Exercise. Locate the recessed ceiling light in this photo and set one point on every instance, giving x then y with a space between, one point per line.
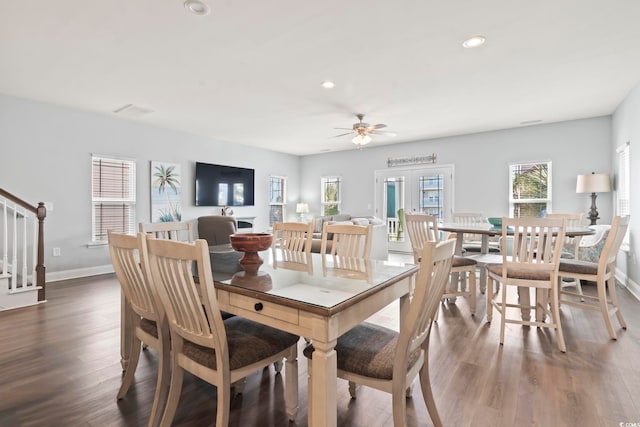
328 84
196 7
474 41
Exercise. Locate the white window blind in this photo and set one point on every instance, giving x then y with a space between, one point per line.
530 189
113 196
330 195
623 188
277 198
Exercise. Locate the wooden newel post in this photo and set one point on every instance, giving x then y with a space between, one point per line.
41 213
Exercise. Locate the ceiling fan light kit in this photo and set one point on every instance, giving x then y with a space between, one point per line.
363 131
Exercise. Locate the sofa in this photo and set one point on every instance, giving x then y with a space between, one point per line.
379 244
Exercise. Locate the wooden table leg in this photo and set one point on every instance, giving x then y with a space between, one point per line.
322 408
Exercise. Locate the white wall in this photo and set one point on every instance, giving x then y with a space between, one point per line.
46 156
626 128
481 166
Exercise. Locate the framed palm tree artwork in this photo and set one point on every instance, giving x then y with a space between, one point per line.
166 191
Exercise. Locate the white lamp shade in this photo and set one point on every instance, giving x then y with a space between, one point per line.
302 208
593 183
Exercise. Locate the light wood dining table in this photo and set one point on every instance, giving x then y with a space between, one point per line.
314 303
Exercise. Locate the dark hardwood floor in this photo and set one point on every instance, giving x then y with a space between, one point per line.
59 366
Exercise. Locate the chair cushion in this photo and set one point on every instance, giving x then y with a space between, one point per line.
368 350
578 266
149 326
477 248
514 273
248 341
460 261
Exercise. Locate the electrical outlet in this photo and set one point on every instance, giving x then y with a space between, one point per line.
56 251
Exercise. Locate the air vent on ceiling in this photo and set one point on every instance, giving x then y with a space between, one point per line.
130 110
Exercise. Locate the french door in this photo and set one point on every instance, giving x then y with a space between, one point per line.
427 189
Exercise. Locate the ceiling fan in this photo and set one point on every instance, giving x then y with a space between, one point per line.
363 131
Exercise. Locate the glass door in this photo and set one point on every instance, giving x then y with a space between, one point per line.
426 190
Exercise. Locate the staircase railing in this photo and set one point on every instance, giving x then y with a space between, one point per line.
22 226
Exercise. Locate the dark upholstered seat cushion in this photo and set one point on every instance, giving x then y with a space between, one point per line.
460 261
367 350
149 326
249 342
477 248
513 273
578 266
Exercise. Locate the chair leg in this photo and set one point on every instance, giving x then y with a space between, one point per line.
503 309
162 388
291 379
353 389
277 366
399 404
224 406
614 301
604 307
427 392
127 380
309 389
489 298
472 291
555 310
177 376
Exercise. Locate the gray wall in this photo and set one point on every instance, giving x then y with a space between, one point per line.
46 156
481 166
626 128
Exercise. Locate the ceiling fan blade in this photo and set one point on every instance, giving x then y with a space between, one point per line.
342 134
384 133
379 126
345 128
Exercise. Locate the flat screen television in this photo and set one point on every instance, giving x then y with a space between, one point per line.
218 185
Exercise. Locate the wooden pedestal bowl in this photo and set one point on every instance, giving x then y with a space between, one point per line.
251 244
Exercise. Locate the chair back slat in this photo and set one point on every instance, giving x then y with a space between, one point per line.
347 240
191 308
618 230
422 229
293 236
180 231
537 243
126 260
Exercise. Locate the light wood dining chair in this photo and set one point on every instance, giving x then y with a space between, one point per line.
532 263
346 240
570 245
473 242
147 325
381 358
293 236
181 231
218 352
424 228
603 273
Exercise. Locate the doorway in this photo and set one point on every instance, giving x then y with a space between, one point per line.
426 189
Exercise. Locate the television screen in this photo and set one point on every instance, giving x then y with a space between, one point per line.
218 185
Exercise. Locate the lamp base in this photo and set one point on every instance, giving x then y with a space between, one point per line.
593 212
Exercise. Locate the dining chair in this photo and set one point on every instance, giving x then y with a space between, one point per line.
147 324
603 273
293 236
424 228
387 360
532 263
570 245
182 231
346 240
218 352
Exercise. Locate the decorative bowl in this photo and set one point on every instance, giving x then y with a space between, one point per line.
496 222
251 244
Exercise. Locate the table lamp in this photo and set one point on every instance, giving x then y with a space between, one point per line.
301 209
593 183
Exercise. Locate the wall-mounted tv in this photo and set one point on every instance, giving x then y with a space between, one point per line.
218 185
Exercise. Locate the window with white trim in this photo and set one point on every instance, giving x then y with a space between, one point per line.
277 198
113 196
623 188
330 193
530 189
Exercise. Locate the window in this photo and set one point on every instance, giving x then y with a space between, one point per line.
530 185
113 197
277 198
330 192
623 188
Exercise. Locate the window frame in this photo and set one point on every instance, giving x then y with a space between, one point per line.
623 188
283 203
548 200
128 199
324 203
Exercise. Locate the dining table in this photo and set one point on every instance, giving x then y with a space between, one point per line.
319 297
484 258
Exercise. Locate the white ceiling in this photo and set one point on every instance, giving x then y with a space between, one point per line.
250 71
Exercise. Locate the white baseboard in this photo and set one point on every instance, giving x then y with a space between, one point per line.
79 272
631 286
